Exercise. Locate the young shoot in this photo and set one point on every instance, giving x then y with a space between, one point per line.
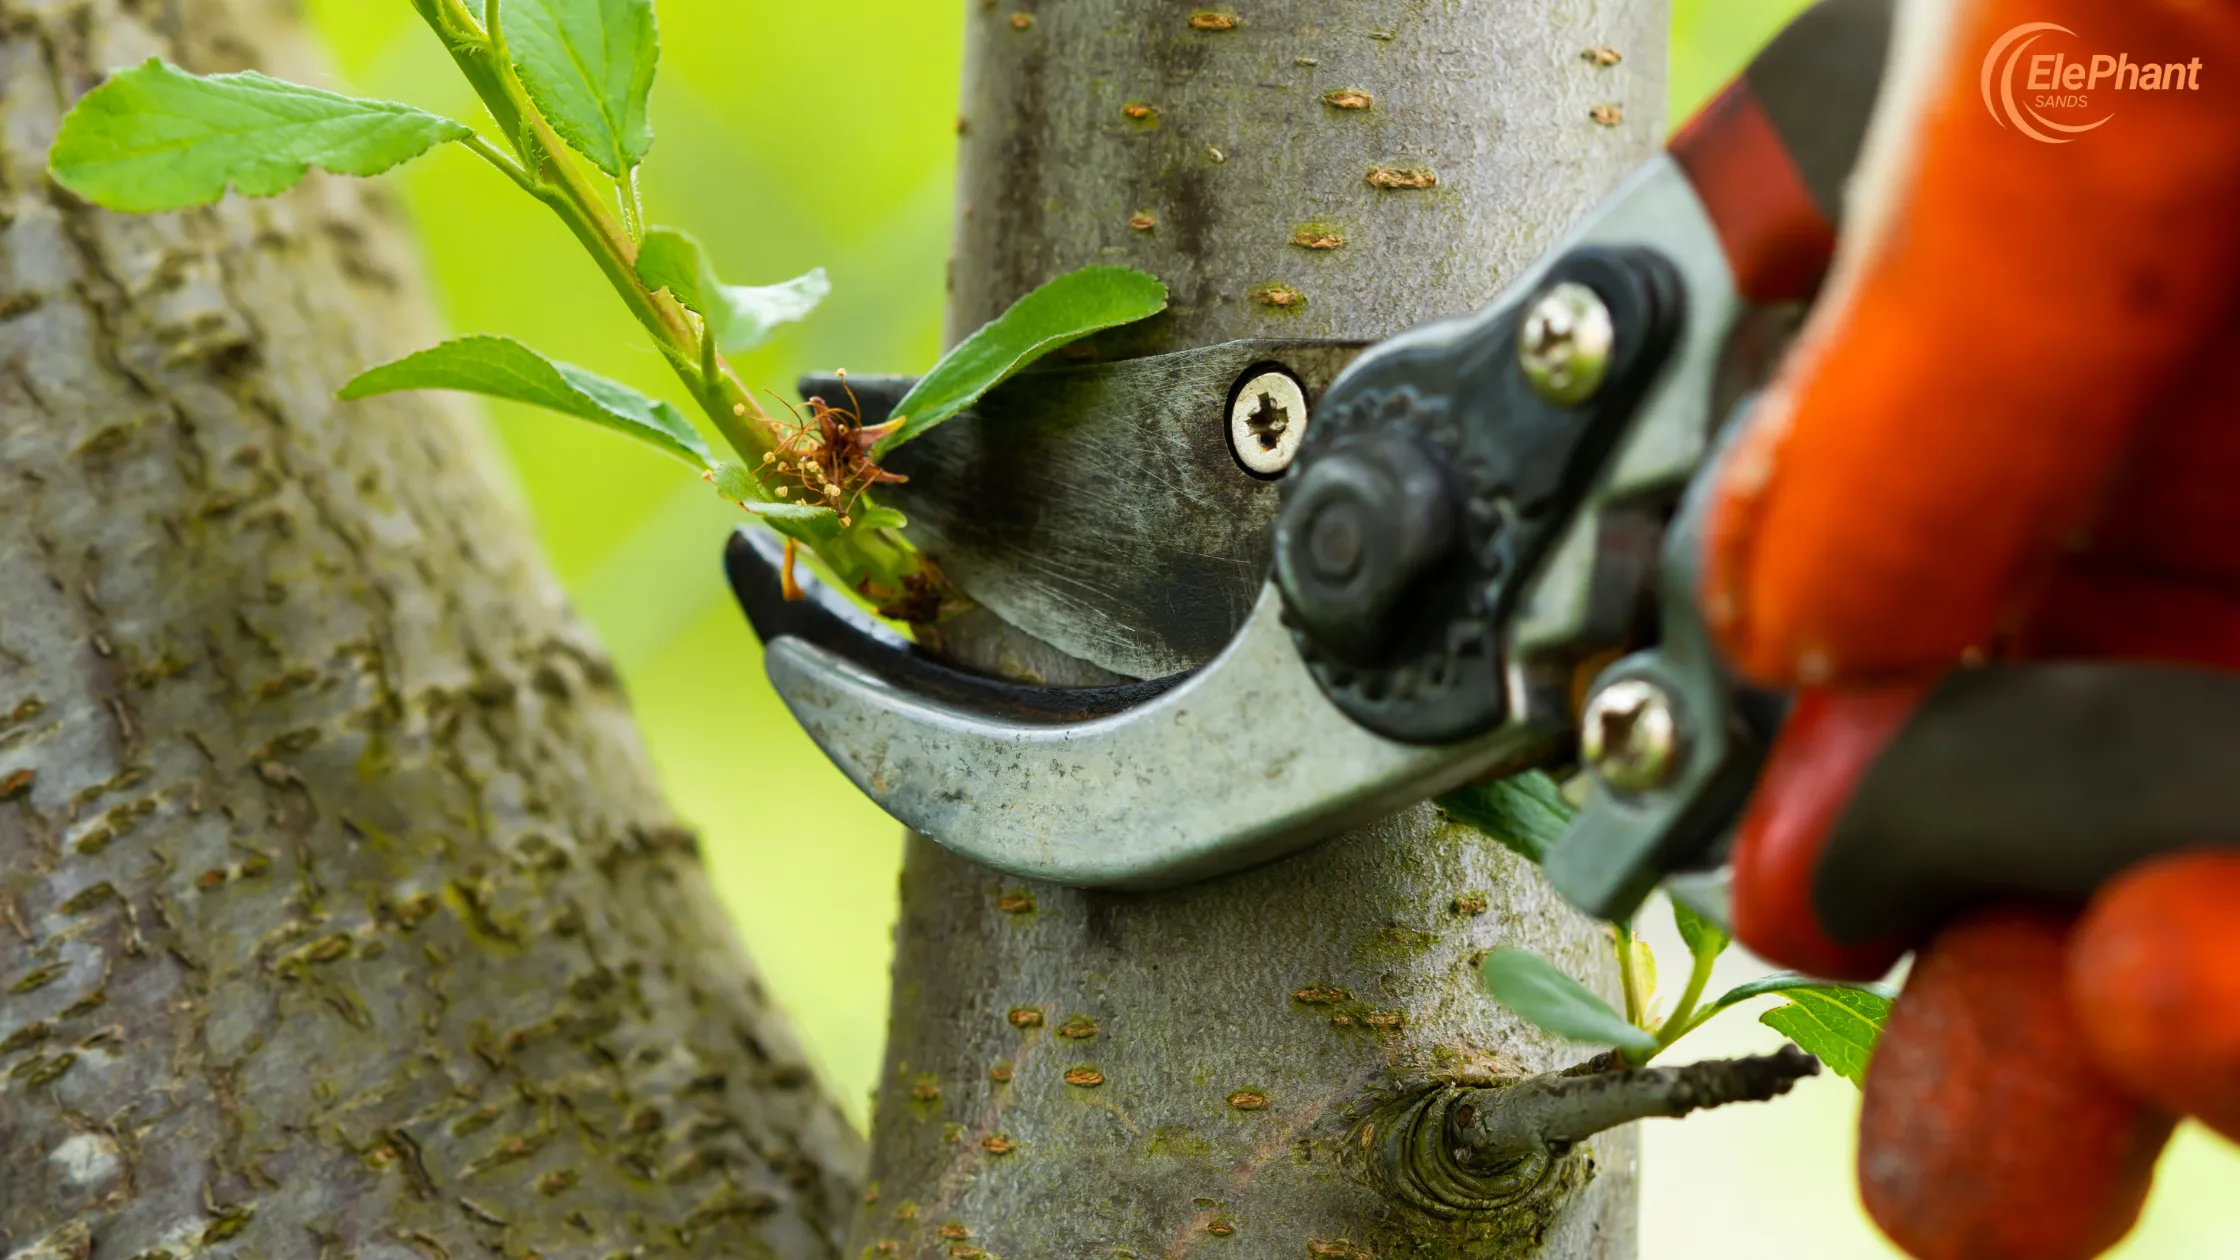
565 86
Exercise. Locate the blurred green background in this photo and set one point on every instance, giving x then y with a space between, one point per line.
779 164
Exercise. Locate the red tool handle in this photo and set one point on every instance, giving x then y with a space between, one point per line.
1771 154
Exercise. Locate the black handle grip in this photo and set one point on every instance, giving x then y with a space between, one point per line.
2038 781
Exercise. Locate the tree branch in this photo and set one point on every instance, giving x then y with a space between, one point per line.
1490 1128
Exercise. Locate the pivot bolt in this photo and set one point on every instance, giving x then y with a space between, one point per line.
1630 736
1566 343
1360 526
1267 421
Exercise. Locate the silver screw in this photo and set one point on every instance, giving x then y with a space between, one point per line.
1267 422
1565 344
1630 736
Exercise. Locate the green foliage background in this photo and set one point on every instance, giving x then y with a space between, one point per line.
791 135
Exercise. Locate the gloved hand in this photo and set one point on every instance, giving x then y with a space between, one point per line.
2011 433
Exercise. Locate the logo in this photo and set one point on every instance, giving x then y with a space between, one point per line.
2064 85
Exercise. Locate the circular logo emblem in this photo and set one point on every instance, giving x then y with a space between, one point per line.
2023 115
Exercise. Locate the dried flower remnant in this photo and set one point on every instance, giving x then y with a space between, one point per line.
998 1144
1396 177
1248 1100
1143 222
1281 297
1138 111
1016 903
1025 1017
1001 1072
1084 1078
1079 1028
1347 98
1471 904
1602 56
1607 115
1021 21
1315 238
825 456
1213 20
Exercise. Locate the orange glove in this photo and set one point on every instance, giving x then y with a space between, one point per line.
2011 432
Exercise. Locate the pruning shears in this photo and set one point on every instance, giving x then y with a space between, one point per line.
1358 577
1355 577
1483 513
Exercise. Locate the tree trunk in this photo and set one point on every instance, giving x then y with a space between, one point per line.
1245 1061
338 912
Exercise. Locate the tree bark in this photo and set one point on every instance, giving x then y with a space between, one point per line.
338 913
1247 1063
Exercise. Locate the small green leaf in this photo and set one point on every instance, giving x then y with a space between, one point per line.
741 317
1543 996
735 483
501 367
1057 314
157 138
1839 1025
801 522
1790 983
588 65
882 518
1525 812
1705 939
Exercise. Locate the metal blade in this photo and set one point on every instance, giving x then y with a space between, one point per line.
1098 507
1162 793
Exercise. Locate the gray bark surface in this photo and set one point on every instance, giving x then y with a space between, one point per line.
1247 1067
339 915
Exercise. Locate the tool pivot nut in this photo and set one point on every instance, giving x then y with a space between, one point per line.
1629 736
1363 526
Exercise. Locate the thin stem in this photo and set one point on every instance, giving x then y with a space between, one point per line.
1492 1128
711 379
633 204
511 169
463 21
1629 976
1677 1024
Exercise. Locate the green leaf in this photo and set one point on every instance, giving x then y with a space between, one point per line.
157 138
1525 812
1059 313
588 65
734 482
801 522
1546 998
1791 983
1839 1025
882 518
501 367
1705 939
741 317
